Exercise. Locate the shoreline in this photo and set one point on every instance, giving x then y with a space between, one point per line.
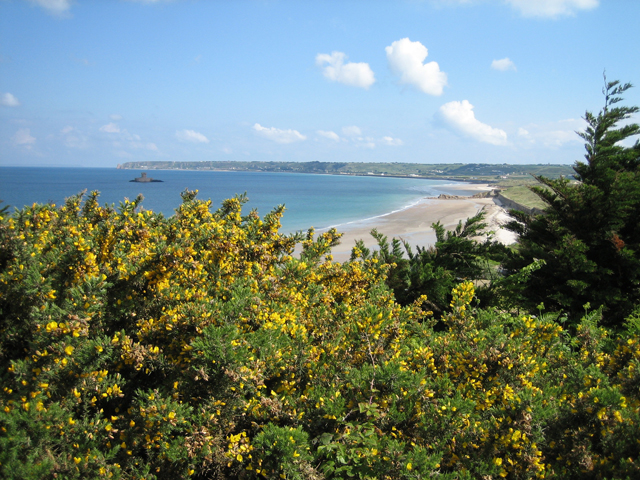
413 223
477 189
472 181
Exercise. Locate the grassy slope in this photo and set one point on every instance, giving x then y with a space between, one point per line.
522 195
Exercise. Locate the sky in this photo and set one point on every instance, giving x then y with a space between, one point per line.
97 83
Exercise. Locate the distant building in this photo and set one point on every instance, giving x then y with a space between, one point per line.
144 179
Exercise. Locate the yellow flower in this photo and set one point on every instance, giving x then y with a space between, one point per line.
77 460
409 466
69 350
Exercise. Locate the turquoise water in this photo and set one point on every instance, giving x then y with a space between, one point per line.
311 200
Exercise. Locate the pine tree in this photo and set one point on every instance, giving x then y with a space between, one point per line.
589 235
435 270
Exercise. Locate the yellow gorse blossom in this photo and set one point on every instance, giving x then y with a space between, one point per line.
204 342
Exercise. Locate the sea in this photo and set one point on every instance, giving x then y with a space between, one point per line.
318 201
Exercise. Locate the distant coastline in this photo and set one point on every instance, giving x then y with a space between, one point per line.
458 172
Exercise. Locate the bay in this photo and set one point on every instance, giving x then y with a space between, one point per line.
310 200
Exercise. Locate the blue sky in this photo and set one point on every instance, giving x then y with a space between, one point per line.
97 82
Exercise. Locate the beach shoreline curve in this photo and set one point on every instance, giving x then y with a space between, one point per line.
413 222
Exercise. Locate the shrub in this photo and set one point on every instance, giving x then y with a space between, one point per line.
138 346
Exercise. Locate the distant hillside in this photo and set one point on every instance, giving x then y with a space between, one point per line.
457 171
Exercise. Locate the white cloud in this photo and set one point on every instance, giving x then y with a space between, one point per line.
76 141
23 137
144 146
503 65
124 139
329 134
115 117
460 117
551 8
110 128
367 143
535 8
278 135
55 7
353 74
72 141
405 59
553 134
351 131
67 129
393 142
123 154
557 138
191 136
8 100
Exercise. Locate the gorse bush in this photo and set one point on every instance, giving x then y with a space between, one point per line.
197 346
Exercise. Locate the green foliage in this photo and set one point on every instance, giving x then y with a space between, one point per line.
137 346
434 271
508 292
589 236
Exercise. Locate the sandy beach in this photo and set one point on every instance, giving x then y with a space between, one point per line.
413 224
